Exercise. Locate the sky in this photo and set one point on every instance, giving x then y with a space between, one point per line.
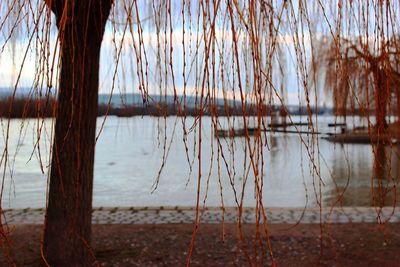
21 59
126 76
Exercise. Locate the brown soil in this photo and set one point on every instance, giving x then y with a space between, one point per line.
167 245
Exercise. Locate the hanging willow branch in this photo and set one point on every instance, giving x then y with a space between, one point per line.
197 53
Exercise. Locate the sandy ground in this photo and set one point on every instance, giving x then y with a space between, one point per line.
347 244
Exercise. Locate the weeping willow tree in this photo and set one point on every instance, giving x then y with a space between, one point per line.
362 75
209 49
360 61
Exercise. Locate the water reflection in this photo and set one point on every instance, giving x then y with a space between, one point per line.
358 181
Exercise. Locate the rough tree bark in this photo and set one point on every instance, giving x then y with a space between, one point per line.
382 98
81 25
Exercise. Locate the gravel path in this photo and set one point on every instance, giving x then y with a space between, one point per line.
162 215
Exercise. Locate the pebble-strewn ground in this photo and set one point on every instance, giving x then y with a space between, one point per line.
347 244
161 237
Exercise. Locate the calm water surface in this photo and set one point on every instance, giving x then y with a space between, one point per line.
130 152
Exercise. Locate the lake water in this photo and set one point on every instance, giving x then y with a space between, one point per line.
129 155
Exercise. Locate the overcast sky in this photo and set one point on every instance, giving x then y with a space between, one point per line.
128 78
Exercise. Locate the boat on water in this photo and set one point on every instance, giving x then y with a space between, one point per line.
354 138
361 135
234 132
254 131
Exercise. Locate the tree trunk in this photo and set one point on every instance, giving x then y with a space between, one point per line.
382 100
382 97
68 218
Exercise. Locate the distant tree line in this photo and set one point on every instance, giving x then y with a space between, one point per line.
26 107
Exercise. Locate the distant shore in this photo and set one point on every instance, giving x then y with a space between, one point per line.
24 107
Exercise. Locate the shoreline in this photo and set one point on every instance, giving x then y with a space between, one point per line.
215 215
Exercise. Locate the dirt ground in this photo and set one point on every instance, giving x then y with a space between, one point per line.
167 245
